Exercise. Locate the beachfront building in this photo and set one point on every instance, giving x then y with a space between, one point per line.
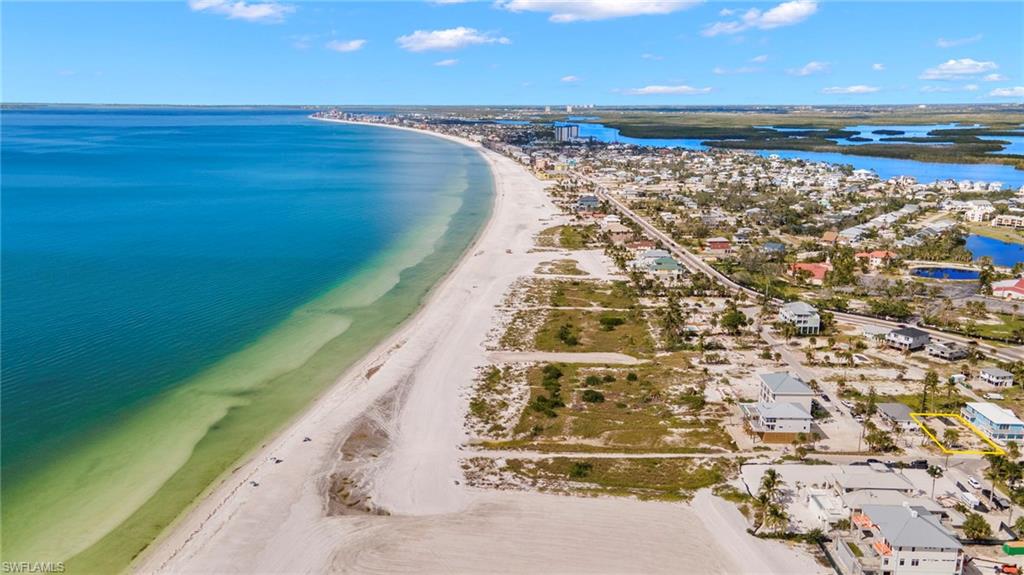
996 377
567 133
907 339
802 316
782 410
1009 221
900 540
998 423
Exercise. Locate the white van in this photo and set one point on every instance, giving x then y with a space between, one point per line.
969 499
993 395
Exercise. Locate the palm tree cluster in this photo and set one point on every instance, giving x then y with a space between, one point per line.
771 513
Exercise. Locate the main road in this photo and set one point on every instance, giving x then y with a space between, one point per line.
696 264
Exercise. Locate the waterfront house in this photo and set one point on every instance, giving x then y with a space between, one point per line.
1009 221
998 423
876 259
907 339
900 540
801 315
996 377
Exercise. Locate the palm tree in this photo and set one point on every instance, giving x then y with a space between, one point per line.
930 383
771 484
935 472
949 438
776 518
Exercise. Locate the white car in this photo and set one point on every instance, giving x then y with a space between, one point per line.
974 482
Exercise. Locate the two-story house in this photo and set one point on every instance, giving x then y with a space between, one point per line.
783 408
996 377
802 316
998 423
907 339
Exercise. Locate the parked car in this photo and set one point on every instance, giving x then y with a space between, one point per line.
825 397
974 482
919 464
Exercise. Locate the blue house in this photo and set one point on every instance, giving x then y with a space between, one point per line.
999 424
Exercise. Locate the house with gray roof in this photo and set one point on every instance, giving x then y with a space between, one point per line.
783 408
897 415
801 315
902 540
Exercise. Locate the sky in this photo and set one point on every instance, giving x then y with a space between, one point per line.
535 52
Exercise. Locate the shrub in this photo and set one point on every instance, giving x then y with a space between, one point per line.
608 323
580 469
593 396
592 380
631 376
608 378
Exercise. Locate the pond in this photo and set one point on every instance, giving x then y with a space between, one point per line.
1002 253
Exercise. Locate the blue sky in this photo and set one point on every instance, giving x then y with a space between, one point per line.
642 52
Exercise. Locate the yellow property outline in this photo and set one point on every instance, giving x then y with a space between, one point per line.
996 450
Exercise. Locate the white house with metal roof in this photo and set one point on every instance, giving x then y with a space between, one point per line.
996 377
783 408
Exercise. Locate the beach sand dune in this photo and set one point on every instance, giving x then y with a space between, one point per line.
377 488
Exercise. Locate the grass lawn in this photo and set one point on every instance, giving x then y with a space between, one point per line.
576 293
1003 234
1005 329
665 479
658 408
581 331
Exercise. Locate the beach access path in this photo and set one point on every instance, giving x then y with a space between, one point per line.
270 514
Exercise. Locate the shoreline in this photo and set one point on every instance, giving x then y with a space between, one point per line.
305 353
194 518
392 430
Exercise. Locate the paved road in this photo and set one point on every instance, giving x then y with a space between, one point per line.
695 264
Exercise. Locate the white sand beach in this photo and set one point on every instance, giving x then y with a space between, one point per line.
410 394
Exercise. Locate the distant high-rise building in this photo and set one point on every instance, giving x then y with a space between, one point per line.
547 109
567 132
568 109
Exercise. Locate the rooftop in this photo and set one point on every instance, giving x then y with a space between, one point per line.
994 413
906 526
785 383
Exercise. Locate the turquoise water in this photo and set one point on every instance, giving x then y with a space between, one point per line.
179 282
1002 253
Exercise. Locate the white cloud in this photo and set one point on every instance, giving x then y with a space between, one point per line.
720 71
651 57
584 10
785 14
1014 92
994 78
760 59
812 67
957 69
944 43
945 88
346 45
856 89
446 62
656 90
241 10
971 87
570 79
878 67
726 12
450 39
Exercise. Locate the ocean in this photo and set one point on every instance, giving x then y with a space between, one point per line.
180 282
